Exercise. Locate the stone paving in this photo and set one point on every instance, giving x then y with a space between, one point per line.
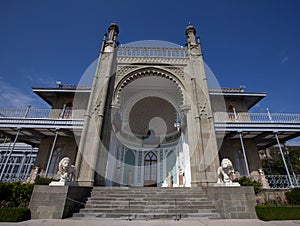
71 222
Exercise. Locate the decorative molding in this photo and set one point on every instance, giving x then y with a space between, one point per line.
177 71
162 60
121 71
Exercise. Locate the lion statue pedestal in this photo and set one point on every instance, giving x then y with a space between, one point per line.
66 173
225 175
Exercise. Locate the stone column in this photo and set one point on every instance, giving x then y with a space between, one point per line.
90 146
202 139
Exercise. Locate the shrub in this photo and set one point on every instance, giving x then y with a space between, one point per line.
293 196
42 181
268 213
246 181
15 194
14 214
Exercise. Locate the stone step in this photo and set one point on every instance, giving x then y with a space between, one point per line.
150 207
118 204
139 210
145 202
148 203
146 216
145 198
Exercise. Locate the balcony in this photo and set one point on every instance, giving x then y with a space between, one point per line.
35 124
41 118
263 121
258 126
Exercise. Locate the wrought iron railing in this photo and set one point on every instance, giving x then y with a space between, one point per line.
282 181
41 113
12 177
130 51
256 117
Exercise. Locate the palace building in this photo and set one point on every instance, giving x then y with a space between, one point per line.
152 116
149 118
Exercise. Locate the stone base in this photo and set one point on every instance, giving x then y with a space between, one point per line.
56 202
63 183
233 202
233 184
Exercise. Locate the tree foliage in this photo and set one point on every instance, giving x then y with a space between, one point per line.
273 164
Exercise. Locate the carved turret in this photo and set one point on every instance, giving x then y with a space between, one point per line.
190 35
192 43
113 32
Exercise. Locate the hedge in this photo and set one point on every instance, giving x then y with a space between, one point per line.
14 214
15 194
293 196
269 213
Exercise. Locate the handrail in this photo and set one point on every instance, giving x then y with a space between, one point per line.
256 117
42 113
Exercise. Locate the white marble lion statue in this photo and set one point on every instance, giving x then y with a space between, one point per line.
225 171
66 171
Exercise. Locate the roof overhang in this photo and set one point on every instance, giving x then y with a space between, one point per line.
50 94
250 98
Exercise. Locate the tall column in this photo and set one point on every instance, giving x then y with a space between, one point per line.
202 138
90 146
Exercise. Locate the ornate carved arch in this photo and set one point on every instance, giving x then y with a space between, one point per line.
144 72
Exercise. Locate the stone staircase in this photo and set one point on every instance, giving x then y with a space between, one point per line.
147 203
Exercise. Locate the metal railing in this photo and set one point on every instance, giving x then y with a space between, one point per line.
13 177
33 113
256 117
129 51
282 181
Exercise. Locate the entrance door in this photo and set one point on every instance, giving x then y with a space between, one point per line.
150 173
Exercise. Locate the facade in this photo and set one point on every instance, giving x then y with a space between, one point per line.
149 119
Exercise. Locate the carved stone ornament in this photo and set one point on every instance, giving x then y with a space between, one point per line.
202 109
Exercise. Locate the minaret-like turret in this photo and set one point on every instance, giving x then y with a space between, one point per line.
113 32
190 35
192 44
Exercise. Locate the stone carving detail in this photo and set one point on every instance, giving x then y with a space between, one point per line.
177 71
125 70
202 109
225 172
66 171
180 61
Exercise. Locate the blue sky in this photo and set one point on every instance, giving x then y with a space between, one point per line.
251 43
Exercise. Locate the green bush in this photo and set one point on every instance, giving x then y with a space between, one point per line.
246 181
42 181
269 213
15 194
293 196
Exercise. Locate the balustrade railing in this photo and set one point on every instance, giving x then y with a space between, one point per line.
130 51
282 181
41 113
256 117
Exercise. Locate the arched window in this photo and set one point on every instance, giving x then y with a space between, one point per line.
128 178
150 173
53 168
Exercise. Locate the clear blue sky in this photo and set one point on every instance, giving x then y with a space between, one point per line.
252 43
